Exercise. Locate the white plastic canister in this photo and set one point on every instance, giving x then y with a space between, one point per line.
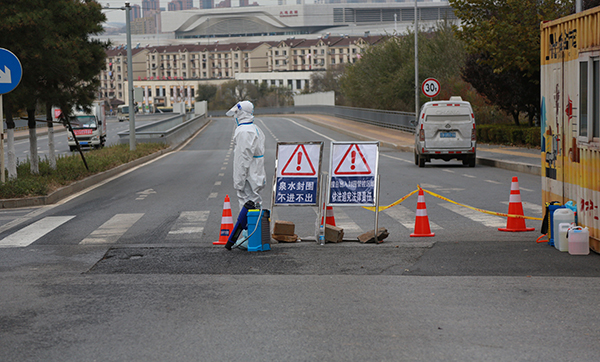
561 242
579 241
562 215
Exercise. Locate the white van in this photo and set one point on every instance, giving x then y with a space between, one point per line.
445 130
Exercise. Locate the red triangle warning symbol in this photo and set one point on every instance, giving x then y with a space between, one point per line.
299 164
351 164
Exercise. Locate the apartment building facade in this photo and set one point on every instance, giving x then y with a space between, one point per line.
172 73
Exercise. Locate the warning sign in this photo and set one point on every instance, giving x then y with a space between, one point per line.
297 182
354 172
299 164
353 163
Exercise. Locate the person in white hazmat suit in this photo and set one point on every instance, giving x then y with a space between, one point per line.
249 176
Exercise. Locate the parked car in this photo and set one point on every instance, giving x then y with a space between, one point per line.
446 130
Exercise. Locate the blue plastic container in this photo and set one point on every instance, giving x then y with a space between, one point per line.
259 239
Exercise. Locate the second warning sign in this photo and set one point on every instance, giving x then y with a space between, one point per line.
353 173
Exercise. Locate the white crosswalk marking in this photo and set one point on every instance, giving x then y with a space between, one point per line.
342 220
112 230
189 225
485 219
33 232
407 217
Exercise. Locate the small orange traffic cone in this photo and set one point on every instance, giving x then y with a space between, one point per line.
515 207
226 223
330 219
422 221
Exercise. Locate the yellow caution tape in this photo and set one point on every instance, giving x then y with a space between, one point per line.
381 208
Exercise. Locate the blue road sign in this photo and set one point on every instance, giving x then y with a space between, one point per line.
10 71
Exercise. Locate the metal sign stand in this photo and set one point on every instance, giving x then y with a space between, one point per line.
375 176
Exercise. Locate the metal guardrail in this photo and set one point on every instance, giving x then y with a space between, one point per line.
172 130
388 119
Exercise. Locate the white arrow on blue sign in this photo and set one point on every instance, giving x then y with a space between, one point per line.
10 71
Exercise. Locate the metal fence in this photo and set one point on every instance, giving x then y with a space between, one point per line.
388 119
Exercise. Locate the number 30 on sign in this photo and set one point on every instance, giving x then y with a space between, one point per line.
430 87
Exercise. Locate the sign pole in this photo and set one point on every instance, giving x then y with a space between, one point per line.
377 211
2 177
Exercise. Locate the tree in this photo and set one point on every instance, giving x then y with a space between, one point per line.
384 77
510 91
504 36
206 92
329 80
60 61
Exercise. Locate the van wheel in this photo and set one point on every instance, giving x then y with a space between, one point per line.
472 161
421 161
416 158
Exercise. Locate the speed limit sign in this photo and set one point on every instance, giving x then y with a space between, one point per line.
430 87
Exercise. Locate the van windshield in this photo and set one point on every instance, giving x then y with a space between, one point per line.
124 109
84 122
447 118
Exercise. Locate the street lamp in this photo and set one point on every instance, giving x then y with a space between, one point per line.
127 9
416 62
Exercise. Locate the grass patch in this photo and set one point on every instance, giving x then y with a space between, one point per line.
70 169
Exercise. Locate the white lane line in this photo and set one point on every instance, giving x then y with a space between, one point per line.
494 182
485 219
525 189
469 176
447 170
309 129
213 195
395 158
112 230
407 217
33 232
218 183
189 225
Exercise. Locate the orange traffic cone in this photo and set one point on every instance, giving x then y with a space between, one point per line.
330 219
226 223
422 221
515 207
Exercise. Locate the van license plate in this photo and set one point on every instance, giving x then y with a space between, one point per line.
447 134
83 143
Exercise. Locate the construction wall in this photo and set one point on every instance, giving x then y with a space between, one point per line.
570 112
315 99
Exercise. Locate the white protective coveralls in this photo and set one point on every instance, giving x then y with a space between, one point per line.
249 176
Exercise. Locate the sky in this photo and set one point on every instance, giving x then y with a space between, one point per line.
118 16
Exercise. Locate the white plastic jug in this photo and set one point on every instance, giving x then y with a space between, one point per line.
561 242
562 215
579 241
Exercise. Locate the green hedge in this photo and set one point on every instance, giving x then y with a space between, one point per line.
70 168
508 135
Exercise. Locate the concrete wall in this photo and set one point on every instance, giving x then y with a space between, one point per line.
315 99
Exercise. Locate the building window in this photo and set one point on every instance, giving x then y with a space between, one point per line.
589 99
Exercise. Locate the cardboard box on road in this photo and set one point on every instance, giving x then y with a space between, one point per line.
284 228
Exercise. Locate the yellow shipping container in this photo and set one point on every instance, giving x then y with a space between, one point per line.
570 115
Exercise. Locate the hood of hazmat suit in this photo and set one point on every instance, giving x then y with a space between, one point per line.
249 149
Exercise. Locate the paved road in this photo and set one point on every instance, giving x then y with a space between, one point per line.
469 294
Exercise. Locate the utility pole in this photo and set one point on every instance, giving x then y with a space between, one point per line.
416 62
130 80
127 9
